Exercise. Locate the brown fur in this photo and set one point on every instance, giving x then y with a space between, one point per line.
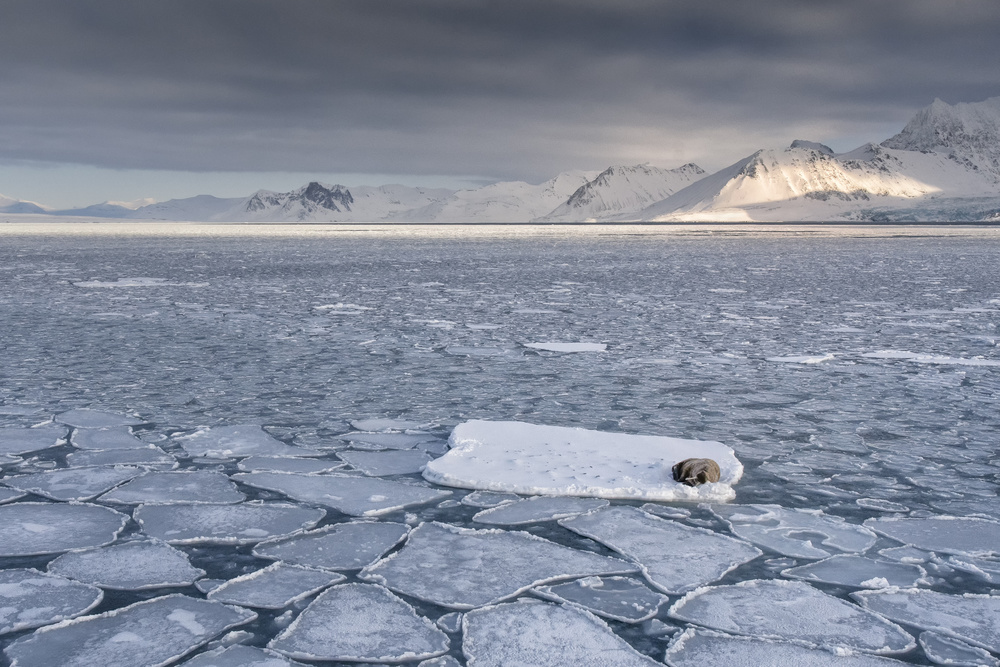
696 471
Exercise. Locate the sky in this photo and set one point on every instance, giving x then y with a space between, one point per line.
121 100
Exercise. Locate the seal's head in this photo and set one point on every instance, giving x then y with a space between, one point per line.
696 471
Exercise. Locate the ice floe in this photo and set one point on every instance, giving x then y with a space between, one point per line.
287 464
144 634
360 623
137 565
240 440
540 633
357 496
87 418
568 347
387 463
33 529
488 499
150 457
30 599
791 611
931 358
135 282
181 486
803 359
118 437
795 532
618 598
559 461
880 505
987 568
483 566
246 523
378 424
943 534
943 650
379 441
73 483
274 587
241 656
539 508
9 495
343 546
858 571
675 558
25 440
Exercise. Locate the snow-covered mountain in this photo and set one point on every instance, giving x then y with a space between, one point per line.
12 205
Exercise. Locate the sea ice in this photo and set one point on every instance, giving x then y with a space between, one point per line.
795 533
247 523
377 464
675 558
483 566
791 611
9 495
30 599
87 418
34 529
274 587
440 661
221 442
357 496
241 656
568 347
931 358
450 622
25 440
943 534
943 650
803 359
73 483
379 441
972 618
539 633
987 568
558 461
343 546
360 623
118 437
619 598
387 424
857 571
287 464
145 634
137 565
182 486
880 505
150 457
488 499
539 508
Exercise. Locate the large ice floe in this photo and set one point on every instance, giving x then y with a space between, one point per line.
274 587
73 483
858 572
150 458
797 533
136 565
945 534
344 546
182 486
387 463
222 442
247 523
25 440
32 529
88 418
30 599
618 598
943 650
114 437
560 461
483 566
539 508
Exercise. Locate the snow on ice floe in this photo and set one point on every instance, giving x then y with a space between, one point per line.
129 566
803 359
26 440
944 534
117 437
376 464
697 647
858 571
73 483
618 598
931 358
241 656
344 546
539 508
221 442
791 611
135 282
360 623
559 461
540 633
180 486
87 418
247 523
144 634
673 557
357 496
150 457
274 587
971 618
943 650
568 347
34 529
31 599
287 464
483 566
795 532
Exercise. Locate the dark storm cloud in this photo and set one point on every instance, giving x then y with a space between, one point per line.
520 88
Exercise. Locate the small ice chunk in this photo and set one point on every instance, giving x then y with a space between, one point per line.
791 611
488 499
222 442
972 618
144 634
117 437
34 529
943 650
483 566
539 508
9 495
440 661
87 418
387 424
451 622
944 534
344 546
618 598
378 441
129 566
208 585
857 571
558 461
26 440
247 523
795 533
803 359
539 633
287 464
360 623
150 457
357 496
181 486
377 464
880 505
675 558
274 587
31 599
73 483
241 656
568 347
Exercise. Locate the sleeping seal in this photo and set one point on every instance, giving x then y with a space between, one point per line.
696 471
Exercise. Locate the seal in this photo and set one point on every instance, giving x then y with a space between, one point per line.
696 471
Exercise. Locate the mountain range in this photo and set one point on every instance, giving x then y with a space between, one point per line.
943 166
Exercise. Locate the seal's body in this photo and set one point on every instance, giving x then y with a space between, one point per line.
696 471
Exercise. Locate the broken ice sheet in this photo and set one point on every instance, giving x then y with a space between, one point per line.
287 464
795 533
377 464
137 565
618 598
30 599
34 529
943 650
274 587
539 508
8 495
379 441
150 457
344 546
26 440
539 633
241 656
181 486
119 437
675 558
791 611
144 634
73 483
483 566
87 418
363 623
858 571
240 440
357 496
943 534
247 523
